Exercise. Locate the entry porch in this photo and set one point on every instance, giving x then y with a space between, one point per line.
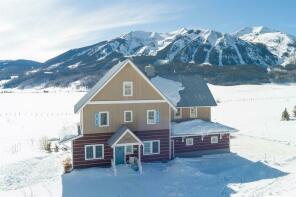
126 148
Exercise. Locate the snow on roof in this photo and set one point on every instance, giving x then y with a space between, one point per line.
169 88
185 90
199 127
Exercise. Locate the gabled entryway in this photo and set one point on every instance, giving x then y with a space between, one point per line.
123 142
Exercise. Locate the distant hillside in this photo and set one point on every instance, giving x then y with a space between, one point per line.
13 69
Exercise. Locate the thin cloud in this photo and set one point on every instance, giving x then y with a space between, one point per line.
39 30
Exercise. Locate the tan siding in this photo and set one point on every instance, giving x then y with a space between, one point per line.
116 117
142 90
203 113
127 138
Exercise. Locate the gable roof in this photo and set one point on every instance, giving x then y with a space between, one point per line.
107 77
119 134
194 91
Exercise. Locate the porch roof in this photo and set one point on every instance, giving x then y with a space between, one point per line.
123 135
199 127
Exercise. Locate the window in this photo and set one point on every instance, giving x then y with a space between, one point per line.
94 151
151 147
153 116
189 141
129 149
102 119
127 88
214 139
178 114
193 112
128 116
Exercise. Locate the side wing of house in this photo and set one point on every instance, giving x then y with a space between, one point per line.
127 99
189 113
193 133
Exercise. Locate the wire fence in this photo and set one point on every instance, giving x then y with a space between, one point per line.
35 114
221 100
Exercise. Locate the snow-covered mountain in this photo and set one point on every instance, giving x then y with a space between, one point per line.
280 44
259 46
187 46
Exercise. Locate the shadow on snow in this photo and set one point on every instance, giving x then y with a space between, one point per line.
204 176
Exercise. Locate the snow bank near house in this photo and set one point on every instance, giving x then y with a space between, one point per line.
205 176
199 127
169 88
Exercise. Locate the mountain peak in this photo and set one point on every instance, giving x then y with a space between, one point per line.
182 30
254 30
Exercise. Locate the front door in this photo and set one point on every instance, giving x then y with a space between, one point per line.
119 155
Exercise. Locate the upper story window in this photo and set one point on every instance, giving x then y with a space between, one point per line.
193 112
178 114
153 116
128 116
102 119
127 88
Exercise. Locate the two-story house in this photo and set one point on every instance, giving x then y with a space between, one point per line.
128 114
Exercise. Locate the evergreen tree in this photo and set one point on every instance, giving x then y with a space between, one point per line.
294 111
285 115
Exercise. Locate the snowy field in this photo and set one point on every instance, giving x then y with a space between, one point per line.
263 162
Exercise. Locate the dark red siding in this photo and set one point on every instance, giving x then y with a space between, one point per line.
164 137
102 138
79 151
199 144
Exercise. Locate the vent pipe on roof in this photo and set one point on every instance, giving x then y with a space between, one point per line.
150 71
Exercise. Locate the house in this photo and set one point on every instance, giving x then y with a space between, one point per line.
128 116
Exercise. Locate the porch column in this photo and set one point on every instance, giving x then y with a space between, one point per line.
114 158
139 152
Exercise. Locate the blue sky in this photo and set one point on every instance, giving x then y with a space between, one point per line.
39 30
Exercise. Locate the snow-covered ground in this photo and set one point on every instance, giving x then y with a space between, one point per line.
263 162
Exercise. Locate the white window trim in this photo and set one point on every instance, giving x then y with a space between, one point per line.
128 83
213 140
124 117
94 151
129 153
189 141
100 125
180 116
154 119
151 148
195 114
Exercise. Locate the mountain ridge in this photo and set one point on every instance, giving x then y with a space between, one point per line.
259 46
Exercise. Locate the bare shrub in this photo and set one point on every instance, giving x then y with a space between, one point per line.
48 148
56 148
44 143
